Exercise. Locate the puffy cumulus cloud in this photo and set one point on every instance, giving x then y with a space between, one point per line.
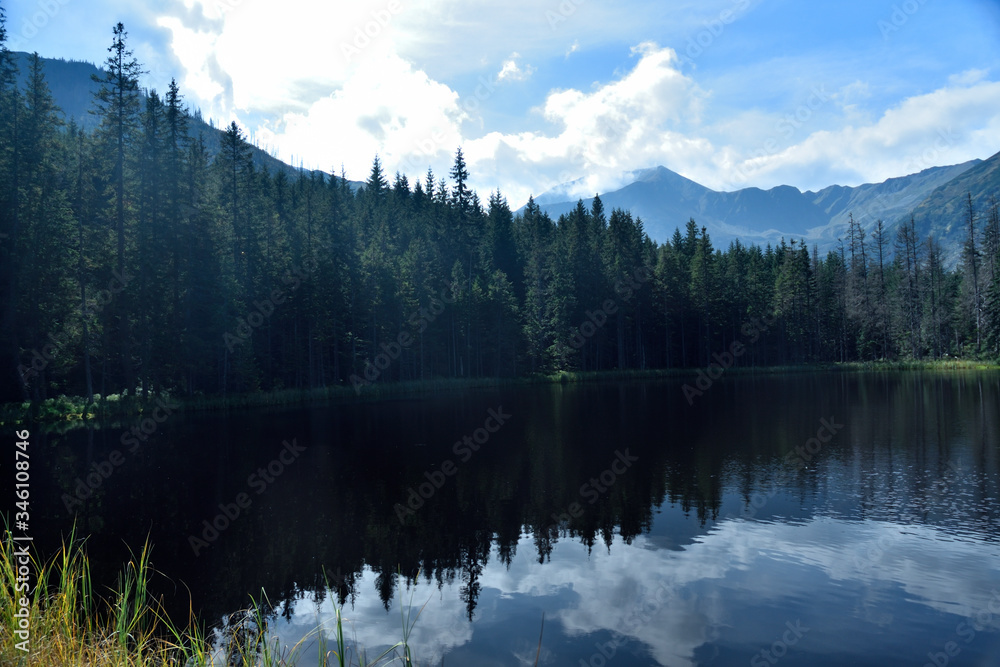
243 55
321 85
195 50
637 120
511 71
655 114
387 108
943 127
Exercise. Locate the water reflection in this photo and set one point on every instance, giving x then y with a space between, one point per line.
730 533
724 596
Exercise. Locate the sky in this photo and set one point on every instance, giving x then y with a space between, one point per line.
729 93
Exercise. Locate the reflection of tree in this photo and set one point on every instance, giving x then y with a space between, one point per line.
385 584
512 487
530 470
343 585
473 562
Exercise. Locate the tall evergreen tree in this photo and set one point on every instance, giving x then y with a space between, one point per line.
907 257
11 382
971 257
116 104
43 267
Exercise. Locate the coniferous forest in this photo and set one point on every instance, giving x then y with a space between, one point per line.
135 260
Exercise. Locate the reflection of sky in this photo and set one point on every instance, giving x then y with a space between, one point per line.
870 593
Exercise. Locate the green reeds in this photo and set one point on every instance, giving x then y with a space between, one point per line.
70 624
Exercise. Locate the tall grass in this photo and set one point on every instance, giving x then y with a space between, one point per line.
70 624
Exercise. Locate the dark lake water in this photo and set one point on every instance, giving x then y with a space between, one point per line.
801 519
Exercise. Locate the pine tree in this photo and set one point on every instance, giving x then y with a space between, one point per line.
793 301
535 238
44 267
907 256
991 301
938 299
880 303
12 386
176 142
702 287
117 105
971 266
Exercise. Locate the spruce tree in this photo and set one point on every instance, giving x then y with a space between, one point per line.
116 104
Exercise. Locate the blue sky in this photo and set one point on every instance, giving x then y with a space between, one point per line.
730 93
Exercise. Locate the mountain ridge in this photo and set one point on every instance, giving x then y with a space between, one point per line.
666 200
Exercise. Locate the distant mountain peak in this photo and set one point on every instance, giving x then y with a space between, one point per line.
665 200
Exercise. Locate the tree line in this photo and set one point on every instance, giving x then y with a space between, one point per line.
134 260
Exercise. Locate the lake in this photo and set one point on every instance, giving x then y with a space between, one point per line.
801 519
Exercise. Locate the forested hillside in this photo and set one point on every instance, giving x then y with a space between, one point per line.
73 90
132 261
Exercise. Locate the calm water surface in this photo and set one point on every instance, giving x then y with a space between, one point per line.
801 519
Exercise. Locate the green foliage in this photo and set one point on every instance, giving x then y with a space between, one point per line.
135 264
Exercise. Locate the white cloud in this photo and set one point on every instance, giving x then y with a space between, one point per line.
244 56
511 71
631 122
386 107
943 127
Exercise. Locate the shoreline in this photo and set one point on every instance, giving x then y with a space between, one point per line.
74 411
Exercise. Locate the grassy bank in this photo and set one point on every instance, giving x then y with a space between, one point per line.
69 624
72 411
848 367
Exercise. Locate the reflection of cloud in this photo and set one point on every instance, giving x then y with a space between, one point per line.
441 627
673 602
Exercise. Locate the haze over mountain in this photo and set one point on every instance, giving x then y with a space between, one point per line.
666 200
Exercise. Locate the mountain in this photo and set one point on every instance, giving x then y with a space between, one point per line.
892 200
666 200
73 91
943 213
70 83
